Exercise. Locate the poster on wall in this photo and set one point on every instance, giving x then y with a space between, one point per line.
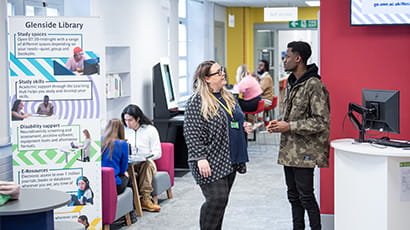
405 181
56 95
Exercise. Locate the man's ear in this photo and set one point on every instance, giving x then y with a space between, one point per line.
298 58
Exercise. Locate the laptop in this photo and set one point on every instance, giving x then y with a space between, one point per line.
91 66
73 146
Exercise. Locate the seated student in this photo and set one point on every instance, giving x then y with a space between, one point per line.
250 90
17 113
76 62
266 82
84 193
46 108
144 138
114 150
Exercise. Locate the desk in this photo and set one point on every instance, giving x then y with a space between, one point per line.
368 186
133 178
68 151
171 130
33 210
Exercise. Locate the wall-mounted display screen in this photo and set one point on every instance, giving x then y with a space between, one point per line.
379 12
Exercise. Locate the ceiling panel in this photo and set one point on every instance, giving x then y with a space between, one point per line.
261 3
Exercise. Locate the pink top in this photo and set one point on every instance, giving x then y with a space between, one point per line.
73 65
249 87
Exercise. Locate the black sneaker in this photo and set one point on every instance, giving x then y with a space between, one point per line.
133 217
241 168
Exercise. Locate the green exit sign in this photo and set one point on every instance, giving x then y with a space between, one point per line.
303 24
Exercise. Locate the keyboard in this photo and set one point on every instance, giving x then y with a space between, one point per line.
397 144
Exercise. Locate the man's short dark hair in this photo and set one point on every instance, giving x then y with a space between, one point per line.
302 49
266 65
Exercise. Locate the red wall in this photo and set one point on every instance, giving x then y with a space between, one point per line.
356 57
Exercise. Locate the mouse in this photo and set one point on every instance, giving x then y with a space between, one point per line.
385 138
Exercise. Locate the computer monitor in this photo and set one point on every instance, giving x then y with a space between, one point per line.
165 103
380 111
385 105
91 66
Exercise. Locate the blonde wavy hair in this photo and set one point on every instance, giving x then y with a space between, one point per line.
241 72
210 105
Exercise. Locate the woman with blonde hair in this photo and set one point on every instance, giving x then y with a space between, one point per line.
214 130
249 89
241 72
86 147
115 153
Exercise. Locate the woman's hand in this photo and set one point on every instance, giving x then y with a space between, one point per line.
247 127
204 168
126 174
10 188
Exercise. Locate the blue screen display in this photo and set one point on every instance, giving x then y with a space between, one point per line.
380 12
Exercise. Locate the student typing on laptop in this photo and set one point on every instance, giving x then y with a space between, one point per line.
76 62
144 139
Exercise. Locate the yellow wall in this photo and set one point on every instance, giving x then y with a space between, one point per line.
240 38
236 40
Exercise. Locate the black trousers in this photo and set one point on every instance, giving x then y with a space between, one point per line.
216 198
124 183
249 105
301 197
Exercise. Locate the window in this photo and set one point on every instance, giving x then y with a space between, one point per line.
40 11
10 9
182 51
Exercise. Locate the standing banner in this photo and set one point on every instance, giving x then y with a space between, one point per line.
56 91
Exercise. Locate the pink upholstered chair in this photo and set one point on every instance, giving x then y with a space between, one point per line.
164 178
113 206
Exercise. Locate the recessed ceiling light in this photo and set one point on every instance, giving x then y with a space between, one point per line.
313 3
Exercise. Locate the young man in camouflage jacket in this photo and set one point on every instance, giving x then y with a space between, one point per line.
304 125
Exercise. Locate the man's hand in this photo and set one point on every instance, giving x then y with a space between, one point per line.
204 168
278 126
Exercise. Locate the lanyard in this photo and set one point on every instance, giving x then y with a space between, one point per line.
227 109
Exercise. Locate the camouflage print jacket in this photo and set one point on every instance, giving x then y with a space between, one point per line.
307 110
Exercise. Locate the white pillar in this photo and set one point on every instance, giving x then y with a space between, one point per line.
4 75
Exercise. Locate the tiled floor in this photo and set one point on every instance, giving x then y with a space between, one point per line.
258 198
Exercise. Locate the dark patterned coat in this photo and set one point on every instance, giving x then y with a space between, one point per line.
206 140
307 110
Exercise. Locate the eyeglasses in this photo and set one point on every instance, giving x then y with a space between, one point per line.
219 72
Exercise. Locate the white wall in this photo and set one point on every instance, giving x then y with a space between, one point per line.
142 26
200 34
77 8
